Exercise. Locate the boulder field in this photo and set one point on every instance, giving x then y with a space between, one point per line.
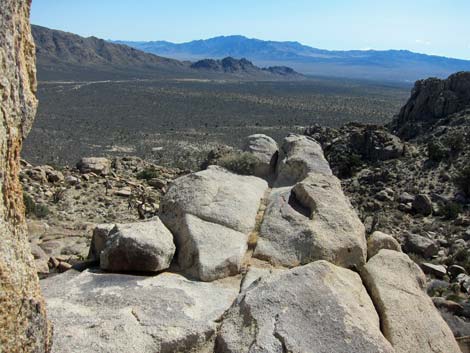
243 264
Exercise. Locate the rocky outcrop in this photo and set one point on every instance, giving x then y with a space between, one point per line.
265 149
311 221
431 100
315 308
144 247
211 214
98 165
299 155
111 313
409 319
23 323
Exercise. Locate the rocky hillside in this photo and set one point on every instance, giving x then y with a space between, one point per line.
67 56
243 67
261 251
416 189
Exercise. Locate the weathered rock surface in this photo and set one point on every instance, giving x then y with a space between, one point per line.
431 100
98 165
210 214
98 240
209 251
23 323
311 221
418 244
318 308
299 155
266 150
214 195
409 319
422 204
108 313
142 246
378 241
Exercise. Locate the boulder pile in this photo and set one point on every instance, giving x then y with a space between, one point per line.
273 264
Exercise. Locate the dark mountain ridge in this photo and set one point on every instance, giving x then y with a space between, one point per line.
396 65
66 56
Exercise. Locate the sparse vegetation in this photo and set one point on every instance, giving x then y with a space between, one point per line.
451 210
437 151
462 180
34 209
176 123
147 174
239 162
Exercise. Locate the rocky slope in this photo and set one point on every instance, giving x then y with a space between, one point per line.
416 189
233 262
23 323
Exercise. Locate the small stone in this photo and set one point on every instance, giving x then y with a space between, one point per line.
455 270
420 245
71 180
406 198
378 241
64 266
438 271
53 262
124 192
422 204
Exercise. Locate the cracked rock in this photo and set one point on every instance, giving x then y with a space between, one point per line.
317 308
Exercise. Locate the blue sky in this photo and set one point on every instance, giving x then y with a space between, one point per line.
440 27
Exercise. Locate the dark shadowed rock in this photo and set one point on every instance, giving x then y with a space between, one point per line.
431 100
422 204
144 246
417 244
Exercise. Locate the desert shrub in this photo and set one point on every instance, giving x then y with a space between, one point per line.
147 174
34 209
29 204
437 151
455 142
243 163
462 180
451 210
347 164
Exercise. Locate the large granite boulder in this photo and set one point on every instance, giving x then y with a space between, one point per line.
210 214
311 221
98 165
266 150
317 308
409 319
142 246
108 313
209 251
23 323
299 155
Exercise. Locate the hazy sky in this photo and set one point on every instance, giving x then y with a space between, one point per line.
439 27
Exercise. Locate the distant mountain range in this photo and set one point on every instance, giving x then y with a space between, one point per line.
396 65
66 56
